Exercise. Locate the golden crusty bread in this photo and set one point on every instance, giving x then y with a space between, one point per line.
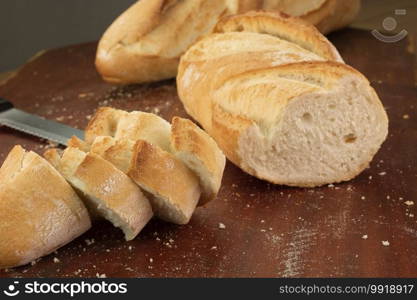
172 188
145 43
108 190
280 102
185 140
179 166
39 211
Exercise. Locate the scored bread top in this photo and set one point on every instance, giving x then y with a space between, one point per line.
293 30
249 42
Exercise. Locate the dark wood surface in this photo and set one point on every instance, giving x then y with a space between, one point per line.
270 230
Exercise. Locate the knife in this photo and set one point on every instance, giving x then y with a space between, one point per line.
35 125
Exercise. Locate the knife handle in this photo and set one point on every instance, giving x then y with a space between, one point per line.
5 105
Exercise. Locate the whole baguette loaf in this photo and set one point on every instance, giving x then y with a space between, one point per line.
39 211
145 43
279 101
106 190
179 166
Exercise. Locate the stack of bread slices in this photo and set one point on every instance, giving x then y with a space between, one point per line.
130 167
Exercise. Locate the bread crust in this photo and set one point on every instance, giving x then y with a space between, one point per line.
39 211
283 26
113 194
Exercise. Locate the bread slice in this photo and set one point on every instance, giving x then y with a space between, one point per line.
104 122
39 211
135 125
173 189
279 101
113 194
201 154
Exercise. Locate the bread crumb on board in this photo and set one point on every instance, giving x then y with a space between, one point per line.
382 173
77 272
222 226
32 263
89 241
406 117
365 236
101 275
385 243
409 203
56 260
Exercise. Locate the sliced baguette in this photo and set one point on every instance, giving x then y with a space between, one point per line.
173 189
39 211
113 194
185 140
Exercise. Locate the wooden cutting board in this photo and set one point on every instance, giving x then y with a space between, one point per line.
269 230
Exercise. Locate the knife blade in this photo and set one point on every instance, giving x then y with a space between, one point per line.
35 125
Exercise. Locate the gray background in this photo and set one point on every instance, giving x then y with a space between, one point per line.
28 26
